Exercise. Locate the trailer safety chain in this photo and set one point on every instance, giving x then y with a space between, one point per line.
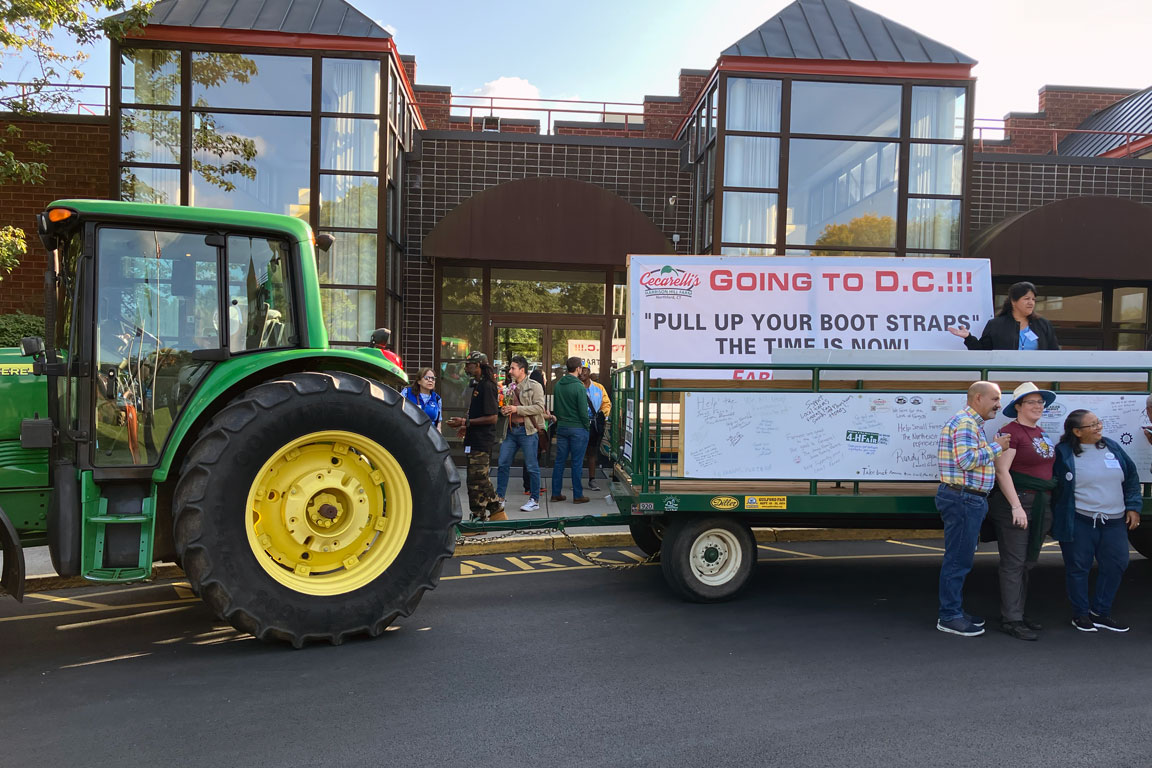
609 565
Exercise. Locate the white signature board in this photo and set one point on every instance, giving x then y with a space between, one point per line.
859 435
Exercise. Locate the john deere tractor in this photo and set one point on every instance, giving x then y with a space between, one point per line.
185 404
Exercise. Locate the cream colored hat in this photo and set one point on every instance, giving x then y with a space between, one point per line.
1027 388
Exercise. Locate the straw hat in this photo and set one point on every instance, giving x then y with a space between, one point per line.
1027 388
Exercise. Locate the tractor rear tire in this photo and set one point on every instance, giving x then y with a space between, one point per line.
1141 541
707 559
316 507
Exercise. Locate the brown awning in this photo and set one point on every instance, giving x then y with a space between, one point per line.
1094 238
552 220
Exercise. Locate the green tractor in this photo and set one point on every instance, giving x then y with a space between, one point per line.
185 405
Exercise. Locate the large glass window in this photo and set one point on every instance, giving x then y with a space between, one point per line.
846 109
461 288
250 162
351 260
841 194
349 201
149 136
251 81
351 86
936 169
260 313
349 144
150 76
938 112
934 224
753 105
350 315
749 217
547 291
150 185
751 161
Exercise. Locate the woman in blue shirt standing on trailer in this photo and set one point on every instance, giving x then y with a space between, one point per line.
1016 327
424 396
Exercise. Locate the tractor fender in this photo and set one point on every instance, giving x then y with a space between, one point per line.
12 577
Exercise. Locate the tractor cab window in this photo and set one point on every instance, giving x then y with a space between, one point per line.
157 300
259 295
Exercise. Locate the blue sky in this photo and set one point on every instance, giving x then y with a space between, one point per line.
620 50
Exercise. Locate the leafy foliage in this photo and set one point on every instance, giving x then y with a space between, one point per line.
869 231
17 326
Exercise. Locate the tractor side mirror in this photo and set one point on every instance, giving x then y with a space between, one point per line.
324 241
31 346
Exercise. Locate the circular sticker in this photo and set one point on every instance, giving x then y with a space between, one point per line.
1068 476
1109 455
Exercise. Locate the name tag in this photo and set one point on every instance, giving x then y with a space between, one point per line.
1112 463
467 449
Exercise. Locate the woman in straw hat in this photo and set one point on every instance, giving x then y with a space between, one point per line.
1020 505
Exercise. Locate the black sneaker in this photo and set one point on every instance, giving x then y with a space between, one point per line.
959 626
1109 623
1018 630
1083 623
1035 626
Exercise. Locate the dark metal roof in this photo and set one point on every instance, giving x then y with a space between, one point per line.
1132 114
840 30
316 17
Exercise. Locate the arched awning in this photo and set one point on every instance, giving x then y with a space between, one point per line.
551 220
1094 238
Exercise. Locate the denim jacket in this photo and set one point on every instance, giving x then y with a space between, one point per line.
1064 497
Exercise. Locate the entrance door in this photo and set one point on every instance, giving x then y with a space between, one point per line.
548 346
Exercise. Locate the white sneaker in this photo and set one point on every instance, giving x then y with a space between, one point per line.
531 506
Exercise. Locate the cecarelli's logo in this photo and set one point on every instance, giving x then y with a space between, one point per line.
668 282
724 502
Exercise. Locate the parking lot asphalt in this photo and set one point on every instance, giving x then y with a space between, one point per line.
829 657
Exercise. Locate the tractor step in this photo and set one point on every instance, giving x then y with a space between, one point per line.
119 522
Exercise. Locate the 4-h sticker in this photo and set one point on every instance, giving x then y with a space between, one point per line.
672 504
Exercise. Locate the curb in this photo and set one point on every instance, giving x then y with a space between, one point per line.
552 542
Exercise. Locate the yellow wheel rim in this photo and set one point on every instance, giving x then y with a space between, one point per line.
328 513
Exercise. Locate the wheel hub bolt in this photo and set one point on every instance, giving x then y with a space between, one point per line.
328 511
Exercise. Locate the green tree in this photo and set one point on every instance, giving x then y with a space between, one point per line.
869 231
29 30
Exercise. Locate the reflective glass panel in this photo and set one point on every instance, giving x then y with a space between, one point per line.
350 261
746 250
753 105
1130 341
749 217
251 81
260 313
351 86
459 335
848 109
938 112
751 161
158 300
349 201
1070 305
349 144
350 316
620 293
552 291
149 136
149 76
461 288
250 162
150 185
934 224
1130 307
510 341
936 169
842 193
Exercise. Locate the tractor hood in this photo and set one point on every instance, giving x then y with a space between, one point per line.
22 395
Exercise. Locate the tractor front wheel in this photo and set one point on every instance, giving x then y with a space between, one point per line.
316 507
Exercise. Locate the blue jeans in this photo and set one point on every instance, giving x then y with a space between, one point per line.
570 442
1107 543
518 439
962 514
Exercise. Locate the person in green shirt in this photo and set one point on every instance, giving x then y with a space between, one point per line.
570 406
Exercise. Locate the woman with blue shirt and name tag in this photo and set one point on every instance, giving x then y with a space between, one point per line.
1096 502
1016 327
424 396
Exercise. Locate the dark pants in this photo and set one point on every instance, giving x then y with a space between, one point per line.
1012 544
962 514
1106 542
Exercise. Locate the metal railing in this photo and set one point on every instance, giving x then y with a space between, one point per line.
98 103
483 112
988 130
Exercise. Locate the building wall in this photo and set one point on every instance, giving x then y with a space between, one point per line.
447 170
77 167
1003 186
1060 107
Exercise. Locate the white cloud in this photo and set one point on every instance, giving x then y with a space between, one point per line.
390 29
509 87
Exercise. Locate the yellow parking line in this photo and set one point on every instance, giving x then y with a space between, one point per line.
53 614
918 546
69 600
790 552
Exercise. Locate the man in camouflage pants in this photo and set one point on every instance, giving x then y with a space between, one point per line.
478 430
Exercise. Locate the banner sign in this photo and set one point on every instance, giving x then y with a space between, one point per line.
739 309
861 436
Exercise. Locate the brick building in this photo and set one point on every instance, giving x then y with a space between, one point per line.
462 226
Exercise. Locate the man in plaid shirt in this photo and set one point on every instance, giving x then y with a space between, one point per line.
967 473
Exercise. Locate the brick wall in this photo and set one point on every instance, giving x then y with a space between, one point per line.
77 167
691 81
1003 188
1030 133
450 171
635 129
434 101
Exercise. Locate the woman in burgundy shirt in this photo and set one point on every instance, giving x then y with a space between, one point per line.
1020 504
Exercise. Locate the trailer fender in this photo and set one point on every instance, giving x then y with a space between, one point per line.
12 577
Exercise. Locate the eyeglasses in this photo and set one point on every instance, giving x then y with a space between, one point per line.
430 377
1032 402
1093 425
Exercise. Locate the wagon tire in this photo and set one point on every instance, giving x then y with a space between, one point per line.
707 560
